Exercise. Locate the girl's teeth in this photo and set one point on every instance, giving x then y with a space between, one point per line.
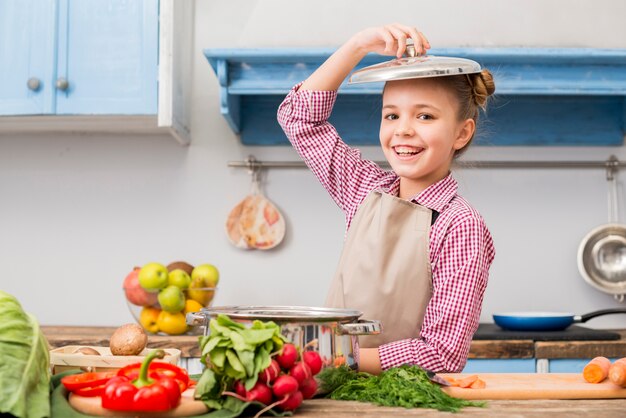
406 151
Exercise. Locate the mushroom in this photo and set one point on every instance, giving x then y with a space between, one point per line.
128 340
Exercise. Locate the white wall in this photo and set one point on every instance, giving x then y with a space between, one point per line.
78 212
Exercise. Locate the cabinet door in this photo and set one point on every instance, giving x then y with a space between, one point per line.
500 366
108 53
570 365
27 44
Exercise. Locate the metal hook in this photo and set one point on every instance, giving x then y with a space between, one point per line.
612 165
254 169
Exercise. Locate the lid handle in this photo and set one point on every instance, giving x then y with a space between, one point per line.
410 51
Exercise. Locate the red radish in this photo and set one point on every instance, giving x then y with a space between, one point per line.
260 393
240 389
308 388
288 356
284 385
271 373
291 401
313 360
300 371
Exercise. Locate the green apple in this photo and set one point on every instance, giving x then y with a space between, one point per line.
206 274
153 277
172 299
179 278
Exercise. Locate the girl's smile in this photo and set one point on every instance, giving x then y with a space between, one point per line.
420 132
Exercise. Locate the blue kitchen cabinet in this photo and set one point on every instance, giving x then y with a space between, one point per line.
525 365
544 96
569 365
79 57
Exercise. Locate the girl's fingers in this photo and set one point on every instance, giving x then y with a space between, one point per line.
424 40
388 38
419 42
400 37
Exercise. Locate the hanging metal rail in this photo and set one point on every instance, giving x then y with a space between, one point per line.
611 165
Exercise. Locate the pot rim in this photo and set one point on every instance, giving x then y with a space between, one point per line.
590 273
284 313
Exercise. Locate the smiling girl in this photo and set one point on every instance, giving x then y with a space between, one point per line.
416 254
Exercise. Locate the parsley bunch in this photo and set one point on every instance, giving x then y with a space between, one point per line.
406 386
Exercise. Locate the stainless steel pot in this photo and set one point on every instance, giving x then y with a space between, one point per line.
333 333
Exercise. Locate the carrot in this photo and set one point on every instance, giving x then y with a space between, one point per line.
339 361
452 381
617 372
467 381
597 370
478 384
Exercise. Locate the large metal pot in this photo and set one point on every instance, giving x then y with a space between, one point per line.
331 332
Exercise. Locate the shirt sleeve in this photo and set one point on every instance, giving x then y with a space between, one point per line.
347 177
459 281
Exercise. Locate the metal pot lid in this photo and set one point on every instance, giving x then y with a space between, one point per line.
285 313
602 258
412 66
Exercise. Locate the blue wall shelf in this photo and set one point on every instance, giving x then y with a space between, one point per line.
544 96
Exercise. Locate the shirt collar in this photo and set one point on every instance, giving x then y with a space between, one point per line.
437 195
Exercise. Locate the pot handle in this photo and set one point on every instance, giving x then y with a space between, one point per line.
362 327
196 319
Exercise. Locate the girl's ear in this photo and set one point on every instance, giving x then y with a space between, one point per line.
466 132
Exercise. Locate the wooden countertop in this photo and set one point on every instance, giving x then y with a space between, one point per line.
59 336
495 409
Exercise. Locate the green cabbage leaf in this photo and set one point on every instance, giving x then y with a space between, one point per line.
24 362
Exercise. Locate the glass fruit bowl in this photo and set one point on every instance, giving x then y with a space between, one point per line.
148 312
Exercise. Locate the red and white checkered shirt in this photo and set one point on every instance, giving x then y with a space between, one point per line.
460 251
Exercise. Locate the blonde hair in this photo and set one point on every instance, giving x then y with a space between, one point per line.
472 92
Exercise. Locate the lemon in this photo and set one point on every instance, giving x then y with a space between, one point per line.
172 323
148 319
192 306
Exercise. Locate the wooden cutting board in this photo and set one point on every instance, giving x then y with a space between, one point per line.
93 406
535 386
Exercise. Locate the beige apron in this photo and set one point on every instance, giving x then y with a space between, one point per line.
384 270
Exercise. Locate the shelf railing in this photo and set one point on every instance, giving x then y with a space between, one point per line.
611 164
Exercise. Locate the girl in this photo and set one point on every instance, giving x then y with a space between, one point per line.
416 255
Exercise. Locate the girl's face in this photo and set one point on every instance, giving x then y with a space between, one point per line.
420 131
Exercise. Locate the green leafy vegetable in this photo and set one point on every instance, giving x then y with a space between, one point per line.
406 386
234 352
24 362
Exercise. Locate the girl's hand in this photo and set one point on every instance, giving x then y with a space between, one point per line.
390 40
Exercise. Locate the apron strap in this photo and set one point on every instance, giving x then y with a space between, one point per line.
434 216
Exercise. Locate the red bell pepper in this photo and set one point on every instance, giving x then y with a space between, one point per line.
159 393
158 369
87 384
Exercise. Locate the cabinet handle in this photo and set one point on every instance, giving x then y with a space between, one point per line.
62 84
33 83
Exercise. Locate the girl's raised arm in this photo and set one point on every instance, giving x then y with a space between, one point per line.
384 40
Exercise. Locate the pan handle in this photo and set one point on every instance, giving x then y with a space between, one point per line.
586 317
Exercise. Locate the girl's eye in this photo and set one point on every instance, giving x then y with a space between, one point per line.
425 117
391 116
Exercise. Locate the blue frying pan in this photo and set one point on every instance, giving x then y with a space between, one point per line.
546 321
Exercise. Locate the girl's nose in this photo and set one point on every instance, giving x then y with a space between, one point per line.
404 129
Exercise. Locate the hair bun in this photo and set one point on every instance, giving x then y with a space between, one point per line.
483 86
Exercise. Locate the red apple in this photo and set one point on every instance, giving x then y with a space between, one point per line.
136 294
